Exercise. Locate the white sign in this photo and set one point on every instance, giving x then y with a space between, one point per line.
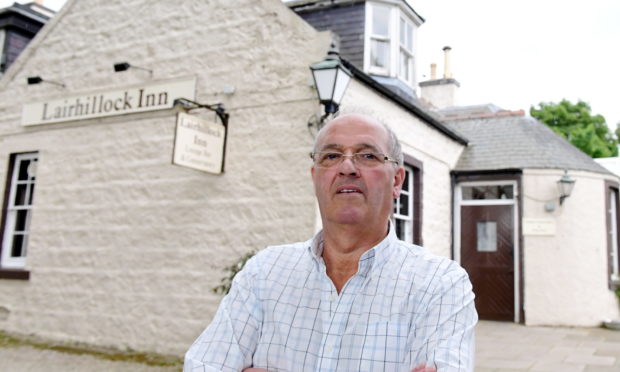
147 97
539 226
199 144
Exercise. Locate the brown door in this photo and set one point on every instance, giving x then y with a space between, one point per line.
487 236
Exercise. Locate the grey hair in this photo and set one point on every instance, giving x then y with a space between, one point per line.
394 149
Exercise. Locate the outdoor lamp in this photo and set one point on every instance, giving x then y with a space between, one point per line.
331 79
565 185
124 66
33 80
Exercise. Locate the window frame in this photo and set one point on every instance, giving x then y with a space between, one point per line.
9 265
396 14
612 203
415 200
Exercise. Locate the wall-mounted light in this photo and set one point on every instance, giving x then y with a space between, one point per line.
33 80
124 66
565 186
331 79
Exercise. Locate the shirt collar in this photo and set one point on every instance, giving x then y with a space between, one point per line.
372 258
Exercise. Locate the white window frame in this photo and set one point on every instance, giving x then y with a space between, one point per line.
7 260
408 191
403 49
613 212
396 14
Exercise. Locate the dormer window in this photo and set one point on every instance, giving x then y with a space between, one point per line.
390 34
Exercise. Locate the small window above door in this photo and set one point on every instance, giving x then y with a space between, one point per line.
487 192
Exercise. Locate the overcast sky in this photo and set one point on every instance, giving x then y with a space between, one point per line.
517 53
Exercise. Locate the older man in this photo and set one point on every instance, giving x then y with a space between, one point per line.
354 297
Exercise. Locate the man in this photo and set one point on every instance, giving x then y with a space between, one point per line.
353 298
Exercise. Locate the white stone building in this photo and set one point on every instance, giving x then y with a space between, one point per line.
106 241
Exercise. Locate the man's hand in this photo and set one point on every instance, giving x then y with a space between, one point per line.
423 368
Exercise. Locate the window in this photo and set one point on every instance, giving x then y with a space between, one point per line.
612 231
403 209
380 39
407 213
390 42
18 204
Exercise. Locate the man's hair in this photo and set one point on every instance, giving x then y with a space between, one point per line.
394 150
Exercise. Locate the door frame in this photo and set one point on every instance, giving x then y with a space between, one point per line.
456 238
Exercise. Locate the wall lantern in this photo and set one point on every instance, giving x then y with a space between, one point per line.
331 79
33 80
565 186
124 66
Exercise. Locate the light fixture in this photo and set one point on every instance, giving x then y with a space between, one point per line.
331 79
33 80
565 186
124 66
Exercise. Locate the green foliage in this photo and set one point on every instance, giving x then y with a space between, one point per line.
576 123
231 271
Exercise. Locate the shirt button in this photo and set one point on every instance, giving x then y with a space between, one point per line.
328 348
332 298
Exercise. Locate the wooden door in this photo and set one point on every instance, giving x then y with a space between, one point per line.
487 253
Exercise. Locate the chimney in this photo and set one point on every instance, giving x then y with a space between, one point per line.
433 71
447 72
440 93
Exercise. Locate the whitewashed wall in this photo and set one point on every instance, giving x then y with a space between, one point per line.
125 247
436 151
566 274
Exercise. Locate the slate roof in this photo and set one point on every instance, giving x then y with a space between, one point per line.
511 140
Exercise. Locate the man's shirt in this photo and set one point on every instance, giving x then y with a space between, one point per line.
402 308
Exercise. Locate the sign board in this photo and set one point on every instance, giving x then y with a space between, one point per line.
146 97
199 144
539 226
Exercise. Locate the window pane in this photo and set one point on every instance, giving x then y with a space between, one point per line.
380 53
404 204
403 32
406 181
20 221
381 20
405 62
23 170
30 192
486 238
409 43
488 192
16 250
20 195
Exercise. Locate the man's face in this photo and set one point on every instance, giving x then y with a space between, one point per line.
347 193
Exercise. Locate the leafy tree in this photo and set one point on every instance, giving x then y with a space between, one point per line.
576 123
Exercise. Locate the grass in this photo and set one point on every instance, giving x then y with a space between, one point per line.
151 359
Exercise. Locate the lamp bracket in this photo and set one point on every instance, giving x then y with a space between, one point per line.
218 108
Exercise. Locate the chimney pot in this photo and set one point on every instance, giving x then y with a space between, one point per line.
433 71
447 73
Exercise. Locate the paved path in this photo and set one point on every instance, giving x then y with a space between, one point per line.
508 347
501 347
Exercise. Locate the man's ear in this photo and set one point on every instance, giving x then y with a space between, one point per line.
399 178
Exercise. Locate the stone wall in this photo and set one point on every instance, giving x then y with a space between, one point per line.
125 247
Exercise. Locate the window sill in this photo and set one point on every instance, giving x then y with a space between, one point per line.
16 274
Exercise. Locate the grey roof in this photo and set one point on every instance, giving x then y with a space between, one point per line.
517 142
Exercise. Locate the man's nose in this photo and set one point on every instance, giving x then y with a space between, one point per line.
348 167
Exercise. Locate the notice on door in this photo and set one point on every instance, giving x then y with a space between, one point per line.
199 144
539 226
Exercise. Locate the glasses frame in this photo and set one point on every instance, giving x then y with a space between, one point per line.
383 158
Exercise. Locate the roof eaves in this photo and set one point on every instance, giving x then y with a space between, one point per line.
409 106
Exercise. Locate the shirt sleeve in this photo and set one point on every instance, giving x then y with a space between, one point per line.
229 342
450 321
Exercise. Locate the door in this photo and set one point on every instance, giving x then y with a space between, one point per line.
487 254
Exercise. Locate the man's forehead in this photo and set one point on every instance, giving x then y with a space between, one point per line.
354 146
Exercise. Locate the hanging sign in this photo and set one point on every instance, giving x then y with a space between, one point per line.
199 144
539 226
145 97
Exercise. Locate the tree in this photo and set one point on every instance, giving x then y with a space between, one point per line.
576 123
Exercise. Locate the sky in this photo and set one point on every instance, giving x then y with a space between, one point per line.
517 53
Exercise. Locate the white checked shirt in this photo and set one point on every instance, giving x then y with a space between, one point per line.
402 308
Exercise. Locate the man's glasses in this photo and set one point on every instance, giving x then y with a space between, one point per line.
328 159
